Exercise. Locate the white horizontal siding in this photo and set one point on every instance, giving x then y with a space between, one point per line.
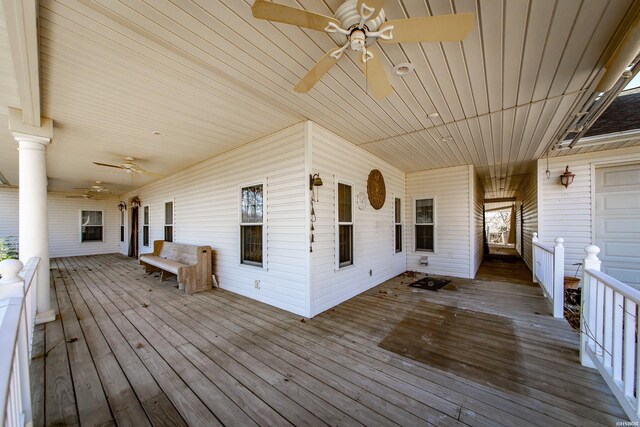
207 212
337 160
452 192
567 212
9 212
477 232
64 226
528 197
64 223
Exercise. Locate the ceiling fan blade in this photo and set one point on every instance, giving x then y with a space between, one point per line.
372 4
441 28
315 74
108 165
139 170
263 9
376 76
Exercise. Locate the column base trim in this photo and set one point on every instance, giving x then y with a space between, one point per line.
45 317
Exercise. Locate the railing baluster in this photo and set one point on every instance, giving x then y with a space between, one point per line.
629 347
607 342
599 318
618 311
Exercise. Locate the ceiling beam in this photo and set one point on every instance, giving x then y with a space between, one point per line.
22 28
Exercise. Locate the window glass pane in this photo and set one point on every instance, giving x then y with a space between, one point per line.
91 218
398 211
145 235
91 233
252 204
146 215
398 238
346 246
424 211
424 237
122 233
122 218
251 244
168 233
344 203
168 213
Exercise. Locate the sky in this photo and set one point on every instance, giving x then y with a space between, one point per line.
634 83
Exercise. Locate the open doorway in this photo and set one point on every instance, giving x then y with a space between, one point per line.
133 239
500 223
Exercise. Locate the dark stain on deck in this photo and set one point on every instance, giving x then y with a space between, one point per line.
434 339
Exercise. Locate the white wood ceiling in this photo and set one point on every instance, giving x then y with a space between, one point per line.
211 77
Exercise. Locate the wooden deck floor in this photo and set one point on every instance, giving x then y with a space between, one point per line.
127 349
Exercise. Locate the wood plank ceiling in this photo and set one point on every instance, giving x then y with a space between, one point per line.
210 77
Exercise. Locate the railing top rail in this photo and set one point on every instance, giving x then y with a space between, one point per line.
29 272
548 248
627 291
10 312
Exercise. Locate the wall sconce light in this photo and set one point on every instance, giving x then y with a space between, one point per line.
314 182
122 206
135 202
567 177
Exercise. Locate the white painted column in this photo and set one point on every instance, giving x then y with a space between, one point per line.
34 228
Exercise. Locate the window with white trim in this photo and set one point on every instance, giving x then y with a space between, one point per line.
398 224
168 222
145 226
91 226
425 225
122 219
345 225
251 221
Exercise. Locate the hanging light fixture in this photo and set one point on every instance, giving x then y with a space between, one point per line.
135 202
314 182
122 206
567 177
548 172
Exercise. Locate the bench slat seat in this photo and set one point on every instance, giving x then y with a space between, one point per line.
191 264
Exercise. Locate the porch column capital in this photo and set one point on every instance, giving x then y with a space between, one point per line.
30 137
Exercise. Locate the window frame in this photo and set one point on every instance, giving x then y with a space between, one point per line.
338 223
173 220
148 225
263 224
102 225
434 224
397 221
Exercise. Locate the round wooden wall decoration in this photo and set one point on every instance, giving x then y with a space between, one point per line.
376 189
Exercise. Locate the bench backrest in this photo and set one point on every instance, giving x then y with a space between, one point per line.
185 254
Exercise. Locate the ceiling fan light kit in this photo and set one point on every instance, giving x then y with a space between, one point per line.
358 25
404 68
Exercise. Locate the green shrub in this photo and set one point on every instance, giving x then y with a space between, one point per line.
8 247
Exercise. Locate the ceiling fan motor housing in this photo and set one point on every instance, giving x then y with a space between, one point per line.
348 15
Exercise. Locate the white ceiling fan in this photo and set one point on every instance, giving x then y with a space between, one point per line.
358 25
128 167
98 187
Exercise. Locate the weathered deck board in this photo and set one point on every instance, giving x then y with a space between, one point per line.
475 353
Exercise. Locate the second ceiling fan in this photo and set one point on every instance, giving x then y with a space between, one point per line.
358 25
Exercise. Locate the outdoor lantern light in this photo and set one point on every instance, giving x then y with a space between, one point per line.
567 177
122 206
314 182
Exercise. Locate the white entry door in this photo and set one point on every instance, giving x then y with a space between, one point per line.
617 221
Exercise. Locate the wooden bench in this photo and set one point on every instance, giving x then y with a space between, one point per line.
190 263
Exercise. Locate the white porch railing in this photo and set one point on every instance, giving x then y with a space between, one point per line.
609 332
17 320
548 271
